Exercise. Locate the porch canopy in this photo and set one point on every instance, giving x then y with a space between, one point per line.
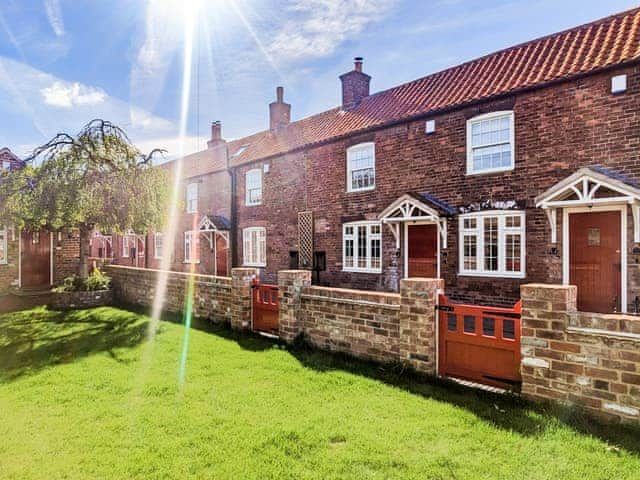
588 187
417 207
210 225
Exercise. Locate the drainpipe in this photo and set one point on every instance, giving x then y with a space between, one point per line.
232 213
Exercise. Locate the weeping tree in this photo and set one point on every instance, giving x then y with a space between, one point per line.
96 179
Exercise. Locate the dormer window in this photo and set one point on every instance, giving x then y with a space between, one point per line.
253 187
361 167
192 198
490 143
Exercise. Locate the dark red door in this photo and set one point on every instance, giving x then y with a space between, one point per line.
265 308
595 260
35 260
422 251
221 256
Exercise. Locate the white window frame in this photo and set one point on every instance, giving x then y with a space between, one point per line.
249 180
125 246
470 147
6 165
191 239
5 245
350 152
156 255
503 230
192 197
258 234
354 236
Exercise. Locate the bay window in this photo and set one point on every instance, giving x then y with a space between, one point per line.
492 244
254 247
362 247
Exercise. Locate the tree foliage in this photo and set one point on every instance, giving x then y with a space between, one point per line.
95 180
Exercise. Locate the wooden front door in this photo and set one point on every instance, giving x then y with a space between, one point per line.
595 260
422 251
35 260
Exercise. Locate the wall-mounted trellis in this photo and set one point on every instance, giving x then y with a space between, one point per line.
305 240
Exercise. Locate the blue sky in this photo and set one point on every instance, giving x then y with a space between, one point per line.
64 62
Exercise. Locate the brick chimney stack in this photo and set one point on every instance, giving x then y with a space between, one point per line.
216 134
279 112
355 86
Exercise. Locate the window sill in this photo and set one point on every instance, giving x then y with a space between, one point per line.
360 190
490 171
252 204
255 265
362 270
492 274
190 262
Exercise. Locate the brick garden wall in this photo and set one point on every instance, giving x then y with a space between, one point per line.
592 360
212 296
371 325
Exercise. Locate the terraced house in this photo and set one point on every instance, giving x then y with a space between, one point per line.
520 166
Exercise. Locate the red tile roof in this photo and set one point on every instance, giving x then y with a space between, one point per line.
609 41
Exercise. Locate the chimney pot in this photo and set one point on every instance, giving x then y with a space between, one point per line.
357 64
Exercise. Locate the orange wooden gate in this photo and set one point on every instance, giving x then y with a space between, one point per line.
481 344
265 308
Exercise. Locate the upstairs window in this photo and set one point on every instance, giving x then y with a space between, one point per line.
361 167
492 244
192 198
254 247
158 242
362 247
253 187
6 165
490 143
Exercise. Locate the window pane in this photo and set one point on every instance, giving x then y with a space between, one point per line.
512 221
497 156
3 246
491 244
512 250
362 247
375 253
469 223
348 253
470 252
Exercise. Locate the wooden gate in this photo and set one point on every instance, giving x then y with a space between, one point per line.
265 308
35 260
481 344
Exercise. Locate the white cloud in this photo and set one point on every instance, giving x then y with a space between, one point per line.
317 27
67 95
54 14
34 98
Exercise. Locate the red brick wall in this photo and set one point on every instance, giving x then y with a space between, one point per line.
557 130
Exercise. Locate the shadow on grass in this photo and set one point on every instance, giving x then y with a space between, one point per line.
35 339
504 411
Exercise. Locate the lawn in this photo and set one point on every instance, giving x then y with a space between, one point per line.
88 395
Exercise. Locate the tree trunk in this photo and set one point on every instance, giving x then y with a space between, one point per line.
85 236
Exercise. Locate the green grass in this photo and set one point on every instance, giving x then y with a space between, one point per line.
86 395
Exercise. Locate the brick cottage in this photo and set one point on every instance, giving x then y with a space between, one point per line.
517 167
520 166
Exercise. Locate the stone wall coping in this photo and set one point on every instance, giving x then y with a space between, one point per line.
635 337
180 274
351 301
363 295
553 286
